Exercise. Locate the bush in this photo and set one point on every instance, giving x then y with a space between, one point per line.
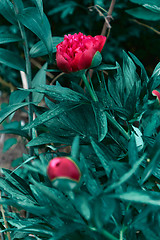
99 125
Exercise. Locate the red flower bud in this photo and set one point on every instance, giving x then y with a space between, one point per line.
63 168
157 94
77 51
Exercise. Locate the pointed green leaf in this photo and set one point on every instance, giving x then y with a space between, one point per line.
8 144
5 112
9 37
58 109
39 49
39 5
40 78
16 132
101 120
18 96
11 60
144 14
7 11
97 59
31 19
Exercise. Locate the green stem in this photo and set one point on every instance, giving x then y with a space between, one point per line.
28 72
105 233
91 92
118 126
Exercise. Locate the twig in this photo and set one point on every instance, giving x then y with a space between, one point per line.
54 79
6 84
109 17
5 221
145 25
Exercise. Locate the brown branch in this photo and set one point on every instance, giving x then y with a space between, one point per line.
54 79
109 17
145 25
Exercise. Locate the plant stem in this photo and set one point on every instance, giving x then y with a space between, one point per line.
28 72
118 126
105 233
91 92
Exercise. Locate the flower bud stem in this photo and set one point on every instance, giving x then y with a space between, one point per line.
91 92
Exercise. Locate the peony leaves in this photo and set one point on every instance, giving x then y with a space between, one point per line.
31 18
12 60
40 49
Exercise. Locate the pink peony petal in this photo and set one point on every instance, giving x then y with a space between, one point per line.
63 64
157 94
101 41
86 59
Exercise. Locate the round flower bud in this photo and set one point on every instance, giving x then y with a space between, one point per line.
63 168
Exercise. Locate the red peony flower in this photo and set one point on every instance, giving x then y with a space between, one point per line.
77 51
157 94
63 168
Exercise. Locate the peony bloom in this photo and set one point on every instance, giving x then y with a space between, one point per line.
63 168
77 51
157 94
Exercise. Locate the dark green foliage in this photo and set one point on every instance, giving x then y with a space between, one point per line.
115 141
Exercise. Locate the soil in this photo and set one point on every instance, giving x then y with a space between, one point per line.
16 150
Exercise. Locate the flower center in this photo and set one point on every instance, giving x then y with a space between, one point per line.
72 45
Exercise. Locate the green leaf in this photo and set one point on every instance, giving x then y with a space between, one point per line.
44 138
139 197
58 109
18 96
142 2
18 182
39 79
101 120
92 185
8 37
155 78
62 7
11 60
126 176
106 67
152 8
18 6
8 144
75 148
60 93
39 49
103 157
132 151
97 59
4 113
31 19
7 11
39 5
144 75
16 132
144 14
151 167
